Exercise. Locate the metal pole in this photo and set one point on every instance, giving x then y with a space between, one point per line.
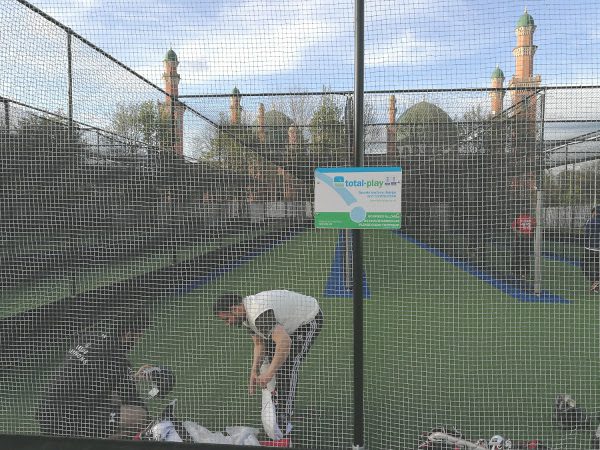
70 84
173 163
347 234
569 180
6 115
537 245
357 248
596 184
70 134
173 140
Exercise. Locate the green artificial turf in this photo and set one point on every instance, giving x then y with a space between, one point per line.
53 287
441 347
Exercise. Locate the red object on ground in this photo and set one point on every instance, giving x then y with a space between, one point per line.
285 442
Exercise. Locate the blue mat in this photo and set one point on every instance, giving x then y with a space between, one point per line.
336 283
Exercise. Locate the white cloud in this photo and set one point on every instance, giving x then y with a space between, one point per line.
36 53
408 49
255 38
237 45
68 13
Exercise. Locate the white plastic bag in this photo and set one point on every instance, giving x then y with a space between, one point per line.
269 412
165 432
243 435
202 435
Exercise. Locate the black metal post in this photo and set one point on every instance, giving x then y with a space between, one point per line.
70 84
70 136
539 148
6 115
173 157
349 124
173 140
357 248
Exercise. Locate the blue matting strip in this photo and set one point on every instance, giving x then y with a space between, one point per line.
503 286
336 283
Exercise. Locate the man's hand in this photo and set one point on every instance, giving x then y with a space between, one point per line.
257 358
252 383
264 379
282 350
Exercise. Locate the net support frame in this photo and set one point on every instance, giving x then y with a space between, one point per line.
357 250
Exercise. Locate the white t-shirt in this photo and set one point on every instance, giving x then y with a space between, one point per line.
291 309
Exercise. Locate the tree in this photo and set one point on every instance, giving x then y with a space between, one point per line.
329 144
231 147
143 126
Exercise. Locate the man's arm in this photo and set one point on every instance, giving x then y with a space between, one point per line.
258 353
283 343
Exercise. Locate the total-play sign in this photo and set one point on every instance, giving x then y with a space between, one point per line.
358 197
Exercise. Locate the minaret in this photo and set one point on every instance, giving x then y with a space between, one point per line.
391 127
524 84
497 95
524 53
172 109
235 107
261 123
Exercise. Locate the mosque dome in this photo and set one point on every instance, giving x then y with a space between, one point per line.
428 127
424 112
171 55
525 20
276 127
497 73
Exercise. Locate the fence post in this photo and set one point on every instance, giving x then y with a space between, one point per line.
537 270
173 171
595 184
70 144
357 248
70 84
347 234
6 114
537 251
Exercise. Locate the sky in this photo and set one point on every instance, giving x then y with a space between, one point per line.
297 45
285 46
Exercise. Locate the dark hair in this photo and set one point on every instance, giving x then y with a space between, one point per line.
595 209
226 301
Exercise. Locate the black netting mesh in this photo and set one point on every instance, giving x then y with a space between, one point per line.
155 156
